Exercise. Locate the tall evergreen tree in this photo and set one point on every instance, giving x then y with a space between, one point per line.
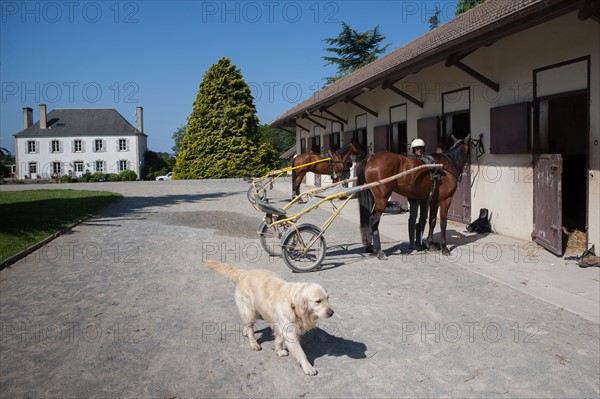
222 138
353 49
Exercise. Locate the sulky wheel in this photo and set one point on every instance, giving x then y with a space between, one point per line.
304 248
270 238
257 190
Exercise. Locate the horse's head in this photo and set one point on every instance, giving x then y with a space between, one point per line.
463 144
355 148
459 152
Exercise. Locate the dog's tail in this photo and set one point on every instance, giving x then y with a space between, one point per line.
228 271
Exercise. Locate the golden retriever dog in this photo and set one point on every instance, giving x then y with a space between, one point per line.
290 309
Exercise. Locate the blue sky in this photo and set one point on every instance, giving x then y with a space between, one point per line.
120 54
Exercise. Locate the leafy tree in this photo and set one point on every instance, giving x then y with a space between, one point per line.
434 20
157 164
281 140
222 139
177 138
353 50
465 5
6 159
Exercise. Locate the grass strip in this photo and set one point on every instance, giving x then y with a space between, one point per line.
28 217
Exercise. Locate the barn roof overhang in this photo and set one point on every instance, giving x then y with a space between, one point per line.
449 44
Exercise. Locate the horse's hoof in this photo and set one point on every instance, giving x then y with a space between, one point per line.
421 248
381 255
445 251
369 249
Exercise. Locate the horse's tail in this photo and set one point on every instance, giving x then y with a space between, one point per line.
365 204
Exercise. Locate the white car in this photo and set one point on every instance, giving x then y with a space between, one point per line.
166 177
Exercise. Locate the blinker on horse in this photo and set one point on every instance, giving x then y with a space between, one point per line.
418 185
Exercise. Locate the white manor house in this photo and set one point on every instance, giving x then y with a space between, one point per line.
75 141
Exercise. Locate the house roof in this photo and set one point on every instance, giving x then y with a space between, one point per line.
81 122
480 26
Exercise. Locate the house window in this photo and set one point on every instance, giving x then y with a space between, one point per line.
99 166
122 144
56 168
98 145
78 166
55 146
122 165
77 146
32 167
31 147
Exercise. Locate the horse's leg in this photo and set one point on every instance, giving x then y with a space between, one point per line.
412 221
444 207
420 228
380 204
374 226
297 181
433 208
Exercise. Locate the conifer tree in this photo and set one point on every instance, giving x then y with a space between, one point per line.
222 139
353 50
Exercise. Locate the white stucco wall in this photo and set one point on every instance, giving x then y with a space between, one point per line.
45 158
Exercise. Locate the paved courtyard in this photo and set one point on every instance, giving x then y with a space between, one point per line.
123 306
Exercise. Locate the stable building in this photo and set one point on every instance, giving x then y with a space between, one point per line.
522 77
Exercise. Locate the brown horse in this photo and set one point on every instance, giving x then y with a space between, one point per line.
333 167
417 185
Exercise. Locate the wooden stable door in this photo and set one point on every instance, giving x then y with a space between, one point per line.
547 202
460 207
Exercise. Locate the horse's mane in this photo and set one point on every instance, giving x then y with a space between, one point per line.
456 156
342 151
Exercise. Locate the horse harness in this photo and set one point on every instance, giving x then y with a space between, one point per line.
333 161
332 173
434 174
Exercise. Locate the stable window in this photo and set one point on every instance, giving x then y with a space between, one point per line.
32 167
360 134
56 168
31 147
122 144
456 121
55 146
122 165
98 145
78 166
77 146
397 140
335 139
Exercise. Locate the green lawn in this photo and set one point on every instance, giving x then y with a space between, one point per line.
27 217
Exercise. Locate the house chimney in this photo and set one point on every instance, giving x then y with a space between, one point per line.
27 117
139 116
43 122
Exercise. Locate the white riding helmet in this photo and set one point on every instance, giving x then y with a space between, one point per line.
417 143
